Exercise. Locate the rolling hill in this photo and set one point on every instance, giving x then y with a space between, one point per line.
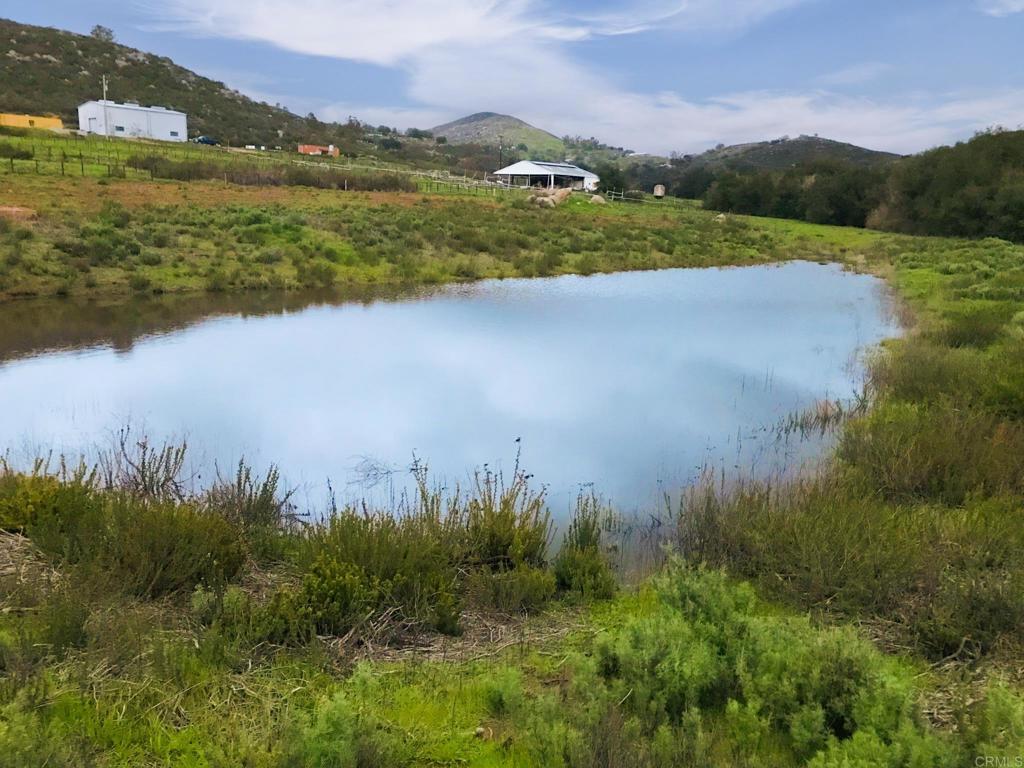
781 154
50 71
486 127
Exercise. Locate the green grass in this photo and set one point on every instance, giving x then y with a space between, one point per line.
98 239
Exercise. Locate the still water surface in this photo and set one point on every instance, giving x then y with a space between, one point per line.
631 382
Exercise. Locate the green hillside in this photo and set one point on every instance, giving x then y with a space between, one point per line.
780 154
486 127
50 71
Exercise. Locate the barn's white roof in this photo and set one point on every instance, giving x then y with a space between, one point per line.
538 168
128 105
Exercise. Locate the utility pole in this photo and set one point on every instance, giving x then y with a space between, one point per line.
106 126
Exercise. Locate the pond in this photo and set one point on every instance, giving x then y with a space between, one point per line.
629 383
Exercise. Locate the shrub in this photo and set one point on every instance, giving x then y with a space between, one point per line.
581 566
505 525
939 452
970 611
334 598
924 372
869 555
995 729
713 648
146 548
503 692
8 150
974 325
339 736
518 590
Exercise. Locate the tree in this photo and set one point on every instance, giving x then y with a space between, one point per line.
611 177
104 34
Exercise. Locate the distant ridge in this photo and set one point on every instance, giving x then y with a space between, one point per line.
780 154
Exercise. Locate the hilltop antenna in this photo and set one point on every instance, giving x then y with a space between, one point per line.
500 140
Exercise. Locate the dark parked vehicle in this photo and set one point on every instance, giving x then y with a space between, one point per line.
206 140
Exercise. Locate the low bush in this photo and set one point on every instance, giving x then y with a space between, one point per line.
973 324
144 547
518 590
8 150
581 566
869 555
934 452
712 648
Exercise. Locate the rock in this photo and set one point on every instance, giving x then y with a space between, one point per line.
721 218
598 200
545 202
480 732
561 196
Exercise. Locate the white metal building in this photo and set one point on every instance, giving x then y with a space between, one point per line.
108 118
530 173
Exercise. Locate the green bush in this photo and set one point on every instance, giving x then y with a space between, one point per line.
971 610
974 325
146 548
503 692
518 590
995 729
938 452
713 648
338 736
581 566
868 556
334 597
505 525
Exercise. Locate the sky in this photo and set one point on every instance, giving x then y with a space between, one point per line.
651 75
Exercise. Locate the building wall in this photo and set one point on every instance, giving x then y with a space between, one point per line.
30 121
125 121
318 150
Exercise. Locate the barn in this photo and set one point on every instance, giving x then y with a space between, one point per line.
108 118
533 173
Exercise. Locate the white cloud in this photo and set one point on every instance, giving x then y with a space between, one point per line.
685 14
856 74
514 57
379 31
1001 7
390 31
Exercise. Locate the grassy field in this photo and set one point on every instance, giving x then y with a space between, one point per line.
102 237
871 614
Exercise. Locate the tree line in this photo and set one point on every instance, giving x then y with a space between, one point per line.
972 189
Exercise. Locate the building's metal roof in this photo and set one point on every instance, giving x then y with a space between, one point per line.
108 103
538 168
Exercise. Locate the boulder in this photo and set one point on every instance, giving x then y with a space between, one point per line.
598 200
